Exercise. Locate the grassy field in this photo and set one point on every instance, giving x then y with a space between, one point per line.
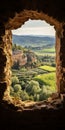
48 80
48 50
45 52
48 68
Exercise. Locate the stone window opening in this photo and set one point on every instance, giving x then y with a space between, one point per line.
7 39
22 65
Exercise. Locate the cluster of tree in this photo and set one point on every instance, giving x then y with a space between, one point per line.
47 60
17 47
32 91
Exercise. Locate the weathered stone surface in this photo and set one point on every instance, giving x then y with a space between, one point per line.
46 115
5 62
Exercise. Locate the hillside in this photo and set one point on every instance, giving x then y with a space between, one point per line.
34 41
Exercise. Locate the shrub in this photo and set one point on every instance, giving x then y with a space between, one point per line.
36 97
33 87
24 95
17 88
14 80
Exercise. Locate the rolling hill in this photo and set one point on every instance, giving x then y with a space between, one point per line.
34 41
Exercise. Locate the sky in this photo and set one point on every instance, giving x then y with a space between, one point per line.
35 27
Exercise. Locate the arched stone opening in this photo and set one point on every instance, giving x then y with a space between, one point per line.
6 47
29 44
47 116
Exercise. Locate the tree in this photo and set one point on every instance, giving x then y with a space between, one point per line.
33 87
17 88
24 95
45 93
42 96
14 80
36 97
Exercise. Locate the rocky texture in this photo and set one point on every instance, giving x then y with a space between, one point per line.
21 58
60 60
53 8
43 115
5 61
18 58
13 14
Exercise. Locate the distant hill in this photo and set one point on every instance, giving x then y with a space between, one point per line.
33 40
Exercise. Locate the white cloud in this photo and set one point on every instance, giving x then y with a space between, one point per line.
35 28
35 23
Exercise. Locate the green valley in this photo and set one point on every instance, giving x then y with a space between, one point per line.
33 70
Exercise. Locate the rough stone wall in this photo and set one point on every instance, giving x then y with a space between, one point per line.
16 22
22 17
5 61
60 60
17 17
55 8
6 42
12 15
